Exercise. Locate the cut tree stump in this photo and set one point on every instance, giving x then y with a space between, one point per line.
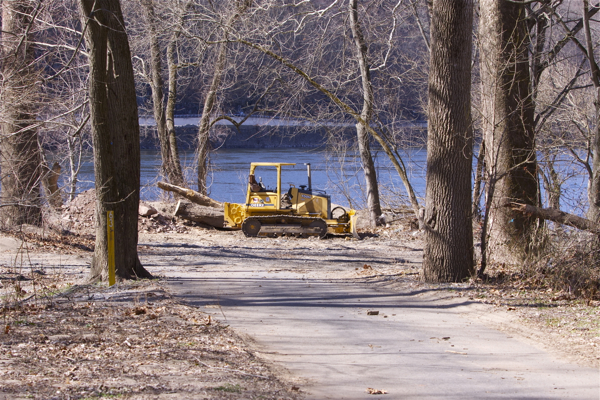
202 214
191 195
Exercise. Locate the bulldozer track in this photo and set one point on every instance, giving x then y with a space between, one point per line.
276 225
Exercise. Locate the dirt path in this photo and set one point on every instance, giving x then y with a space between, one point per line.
307 305
302 308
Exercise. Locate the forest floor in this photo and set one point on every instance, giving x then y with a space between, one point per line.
62 338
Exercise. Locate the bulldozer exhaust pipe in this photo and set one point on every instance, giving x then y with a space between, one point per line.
309 177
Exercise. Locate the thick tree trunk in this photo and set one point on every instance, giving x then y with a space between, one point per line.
205 215
20 158
364 148
508 125
170 166
448 252
115 134
594 186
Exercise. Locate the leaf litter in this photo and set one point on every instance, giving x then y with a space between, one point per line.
132 342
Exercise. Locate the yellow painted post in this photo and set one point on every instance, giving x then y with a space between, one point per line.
111 247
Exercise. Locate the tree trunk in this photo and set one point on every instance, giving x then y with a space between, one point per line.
170 110
508 128
170 166
448 252
594 187
364 148
115 134
205 215
20 158
204 126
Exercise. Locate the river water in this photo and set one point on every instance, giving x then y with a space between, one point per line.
342 179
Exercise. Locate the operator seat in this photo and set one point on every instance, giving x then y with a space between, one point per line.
254 186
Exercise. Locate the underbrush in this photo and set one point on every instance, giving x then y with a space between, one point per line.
568 266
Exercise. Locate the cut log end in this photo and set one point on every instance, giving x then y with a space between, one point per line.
201 214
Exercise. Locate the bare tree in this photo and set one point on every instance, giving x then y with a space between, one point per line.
20 160
115 131
351 76
364 148
163 106
448 252
241 6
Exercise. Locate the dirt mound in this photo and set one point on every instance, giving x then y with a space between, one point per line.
80 213
79 216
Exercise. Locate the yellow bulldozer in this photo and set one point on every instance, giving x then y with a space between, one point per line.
300 211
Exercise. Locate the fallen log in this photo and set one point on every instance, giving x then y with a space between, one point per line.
191 195
554 215
202 214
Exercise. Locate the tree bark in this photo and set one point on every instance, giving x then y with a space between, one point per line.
20 158
115 134
594 186
191 195
170 106
364 148
448 252
508 128
205 215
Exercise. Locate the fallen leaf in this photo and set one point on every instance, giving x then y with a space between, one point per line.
139 310
376 391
